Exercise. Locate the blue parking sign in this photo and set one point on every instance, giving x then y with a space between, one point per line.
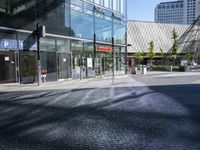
5 43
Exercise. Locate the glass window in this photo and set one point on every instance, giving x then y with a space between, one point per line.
115 5
82 25
8 40
26 41
3 6
63 46
119 33
77 8
108 15
88 8
48 62
67 16
123 7
77 2
103 30
22 14
47 44
12 16
118 5
100 2
108 3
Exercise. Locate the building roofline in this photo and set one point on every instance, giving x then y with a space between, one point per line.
155 22
171 2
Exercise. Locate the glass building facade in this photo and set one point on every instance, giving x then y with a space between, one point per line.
82 37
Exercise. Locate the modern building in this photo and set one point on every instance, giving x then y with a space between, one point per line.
169 12
141 33
180 11
191 10
81 37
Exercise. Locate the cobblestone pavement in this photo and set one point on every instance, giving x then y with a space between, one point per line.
95 114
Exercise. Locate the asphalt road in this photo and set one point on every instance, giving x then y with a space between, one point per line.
150 112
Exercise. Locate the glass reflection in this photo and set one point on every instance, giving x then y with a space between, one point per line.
103 30
119 33
82 25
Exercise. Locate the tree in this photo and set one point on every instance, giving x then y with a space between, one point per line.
138 56
188 55
151 53
175 44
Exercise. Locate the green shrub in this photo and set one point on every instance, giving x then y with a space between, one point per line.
158 68
164 68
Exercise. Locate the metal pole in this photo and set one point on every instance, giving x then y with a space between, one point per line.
81 67
18 61
113 61
38 52
94 44
101 56
126 63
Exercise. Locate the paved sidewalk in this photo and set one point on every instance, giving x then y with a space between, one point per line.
91 82
68 84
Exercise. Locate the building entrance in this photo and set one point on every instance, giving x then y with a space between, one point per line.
28 66
8 66
64 63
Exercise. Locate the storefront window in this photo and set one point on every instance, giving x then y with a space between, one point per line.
47 45
63 46
48 58
48 62
63 58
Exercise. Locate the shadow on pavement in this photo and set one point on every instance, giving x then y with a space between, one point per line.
139 120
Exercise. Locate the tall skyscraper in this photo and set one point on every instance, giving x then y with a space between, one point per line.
181 11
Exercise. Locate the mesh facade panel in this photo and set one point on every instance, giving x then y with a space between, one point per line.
139 35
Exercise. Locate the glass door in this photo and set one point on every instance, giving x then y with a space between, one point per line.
64 63
28 69
8 67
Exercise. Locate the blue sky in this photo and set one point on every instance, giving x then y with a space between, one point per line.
142 9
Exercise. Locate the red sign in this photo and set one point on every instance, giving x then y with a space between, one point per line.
104 49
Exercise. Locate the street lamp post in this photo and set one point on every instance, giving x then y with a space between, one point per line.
113 61
38 52
39 32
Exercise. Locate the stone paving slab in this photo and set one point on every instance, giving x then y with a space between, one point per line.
94 114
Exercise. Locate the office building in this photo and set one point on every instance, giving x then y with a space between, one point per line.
191 10
169 12
81 37
180 11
